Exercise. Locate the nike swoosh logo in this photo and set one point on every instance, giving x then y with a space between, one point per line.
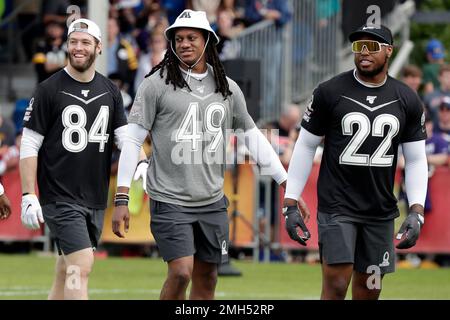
82 100
371 109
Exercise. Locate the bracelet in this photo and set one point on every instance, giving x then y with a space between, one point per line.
118 203
122 195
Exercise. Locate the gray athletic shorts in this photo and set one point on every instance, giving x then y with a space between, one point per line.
191 231
367 244
74 227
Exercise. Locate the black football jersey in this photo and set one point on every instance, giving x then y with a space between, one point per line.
77 121
363 127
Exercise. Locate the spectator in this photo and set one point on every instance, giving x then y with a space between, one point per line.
444 119
437 154
412 77
51 52
151 17
173 8
209 6
227 30
5 204
286 156
55 11
121 56
325 41
127 100
236 8
288 121
435 56
433 100
276 10
9 154
158 46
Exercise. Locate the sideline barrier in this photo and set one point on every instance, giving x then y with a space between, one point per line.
435 235
434 238
12 229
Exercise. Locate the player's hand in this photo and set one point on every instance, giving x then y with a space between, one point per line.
141 172
294 220
5 207
31 212
120 214
304 210
410 230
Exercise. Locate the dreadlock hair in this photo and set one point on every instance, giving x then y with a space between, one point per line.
175 77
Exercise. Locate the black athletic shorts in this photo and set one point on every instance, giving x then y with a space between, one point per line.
182 231
367 244
74 227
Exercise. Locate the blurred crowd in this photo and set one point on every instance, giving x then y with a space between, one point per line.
135 32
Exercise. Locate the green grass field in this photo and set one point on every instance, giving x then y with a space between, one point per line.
30 277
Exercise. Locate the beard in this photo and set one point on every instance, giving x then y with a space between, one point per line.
81 67
372 73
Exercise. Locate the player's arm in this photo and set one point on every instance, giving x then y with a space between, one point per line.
31 210
128 160
300 165
141 169
416 180
263 153
298 173
269 162
5 205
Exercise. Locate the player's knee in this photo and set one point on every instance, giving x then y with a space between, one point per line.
181 277
210 279
338 287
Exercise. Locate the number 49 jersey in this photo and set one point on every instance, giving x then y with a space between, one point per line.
363 127
77 121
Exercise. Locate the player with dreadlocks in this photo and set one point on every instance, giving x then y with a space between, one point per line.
188 107
174 75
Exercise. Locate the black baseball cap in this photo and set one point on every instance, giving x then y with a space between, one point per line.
381 33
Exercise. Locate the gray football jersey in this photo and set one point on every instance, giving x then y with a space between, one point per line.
189 137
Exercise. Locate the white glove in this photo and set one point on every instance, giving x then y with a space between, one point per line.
31 212
141 172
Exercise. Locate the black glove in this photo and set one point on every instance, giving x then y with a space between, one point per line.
294 220
411 229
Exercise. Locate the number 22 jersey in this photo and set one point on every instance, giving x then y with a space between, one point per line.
363 126
77 120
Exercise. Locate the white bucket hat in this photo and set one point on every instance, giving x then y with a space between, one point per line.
191 19
92 28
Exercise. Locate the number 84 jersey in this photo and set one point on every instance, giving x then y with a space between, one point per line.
77 121
363 126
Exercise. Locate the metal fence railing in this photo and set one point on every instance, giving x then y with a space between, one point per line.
295 57
308 50
264 42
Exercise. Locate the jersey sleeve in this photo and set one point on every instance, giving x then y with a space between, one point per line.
119 113
144 107
415 120
39 114
241 118
316 118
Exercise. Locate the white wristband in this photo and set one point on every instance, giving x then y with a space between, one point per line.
2 190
